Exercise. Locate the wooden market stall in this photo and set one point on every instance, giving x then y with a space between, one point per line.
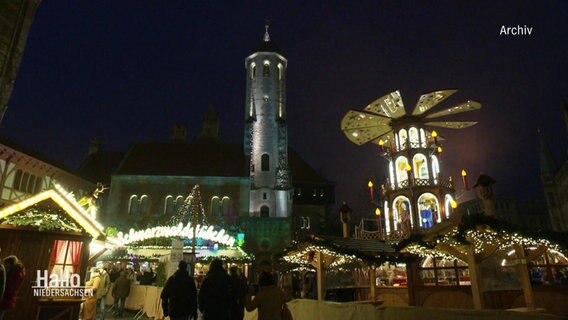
51 234
327 253
503 267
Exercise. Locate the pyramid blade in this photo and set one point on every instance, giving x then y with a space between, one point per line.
388 138
361 136
451 124
390 106
462 107
358 119
429 100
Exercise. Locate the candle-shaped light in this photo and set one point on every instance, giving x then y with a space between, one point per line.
453 204
435 136
464 180
370 185
381 145
378 216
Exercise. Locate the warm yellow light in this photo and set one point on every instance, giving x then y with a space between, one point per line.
407 167
377 212
439 149
370 184
464 173
434 134
453 204
381 142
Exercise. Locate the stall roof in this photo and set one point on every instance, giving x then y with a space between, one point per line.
339 251
66 202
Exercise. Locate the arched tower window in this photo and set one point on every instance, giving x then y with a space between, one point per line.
413 136
402 214
428 210
133 204
265 162
252 70
403 139
215 206
420 166
144 204
169 205
31 184
280 71
401 173
266 69
38 185
264 212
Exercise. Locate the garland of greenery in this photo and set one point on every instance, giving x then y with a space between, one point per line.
45 218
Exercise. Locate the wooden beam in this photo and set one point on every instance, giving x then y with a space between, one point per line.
475 278
320 270
524 276
373 283
94 257
487 252
536 253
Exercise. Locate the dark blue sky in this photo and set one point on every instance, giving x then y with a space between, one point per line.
126 71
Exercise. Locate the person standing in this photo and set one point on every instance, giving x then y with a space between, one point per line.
179 296
215 292
15 273
270 300
90 304
103 290
239 290
120 291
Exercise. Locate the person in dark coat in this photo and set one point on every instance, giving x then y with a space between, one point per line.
120 291
239 289
15 273
215 293
179 296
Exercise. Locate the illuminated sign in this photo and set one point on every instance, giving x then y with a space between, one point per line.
203 232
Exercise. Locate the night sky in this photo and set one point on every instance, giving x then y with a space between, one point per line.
125 71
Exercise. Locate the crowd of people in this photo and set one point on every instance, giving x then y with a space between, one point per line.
222 295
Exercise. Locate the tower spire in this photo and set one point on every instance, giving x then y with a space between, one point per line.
266 35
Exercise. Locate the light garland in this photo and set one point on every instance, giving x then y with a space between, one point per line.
203 232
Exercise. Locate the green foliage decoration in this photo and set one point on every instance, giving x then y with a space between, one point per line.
43 219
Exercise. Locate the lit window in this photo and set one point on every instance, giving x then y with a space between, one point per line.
266 69
65 257
133 204
17 179
169 205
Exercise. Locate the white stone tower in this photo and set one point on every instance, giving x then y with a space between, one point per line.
266 134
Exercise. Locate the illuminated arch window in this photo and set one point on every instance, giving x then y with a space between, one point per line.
413 137
403 139
215 206
428 210
169 205
401 173
265 162
266 69
420 166
402 214
178 203
226 206
280 71
133 204
423 138
252 70
391 173
396 141
435 168
264 212
448 205
144 205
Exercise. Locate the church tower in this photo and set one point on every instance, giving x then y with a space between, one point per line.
266 134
